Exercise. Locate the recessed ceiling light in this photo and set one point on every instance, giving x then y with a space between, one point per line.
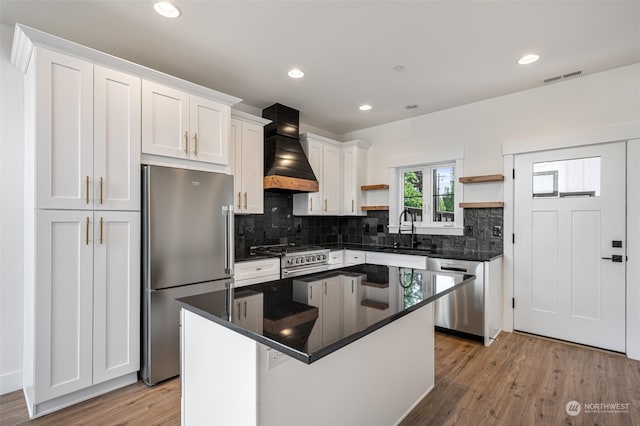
411 106
295 73
166 9
528 59
365 107
398 68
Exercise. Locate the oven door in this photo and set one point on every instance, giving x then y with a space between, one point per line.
303 270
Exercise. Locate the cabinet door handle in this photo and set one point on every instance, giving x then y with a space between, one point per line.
186 142
310 204
310 293
258 269
325 204
245 309
245 200
239 195
352 288
195 144
101 230
87 191
352 206
86 233
101 189
325 288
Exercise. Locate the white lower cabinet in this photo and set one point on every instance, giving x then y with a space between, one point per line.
354 257
336 259
82 302
249 272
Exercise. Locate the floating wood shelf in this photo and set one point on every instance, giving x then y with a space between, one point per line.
374 187
375 305
366 208
482 205
478 179
376 285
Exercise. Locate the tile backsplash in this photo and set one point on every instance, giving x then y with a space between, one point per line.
483 229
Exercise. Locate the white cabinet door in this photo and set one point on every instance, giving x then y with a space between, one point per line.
165 120
354 169
331 180
116 140
253 168
63 302
116 301
247 166
63 131
209 131
314 155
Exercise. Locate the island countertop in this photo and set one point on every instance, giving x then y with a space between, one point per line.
312 316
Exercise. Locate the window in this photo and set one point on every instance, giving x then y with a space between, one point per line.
567 178
428 194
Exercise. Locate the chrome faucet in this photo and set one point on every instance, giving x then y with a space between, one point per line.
413 228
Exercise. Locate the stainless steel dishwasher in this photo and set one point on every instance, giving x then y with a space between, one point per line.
461 311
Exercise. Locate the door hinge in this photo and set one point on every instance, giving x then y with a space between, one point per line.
513 302
514 173
513 238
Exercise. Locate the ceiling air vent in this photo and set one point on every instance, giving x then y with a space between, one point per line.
562 77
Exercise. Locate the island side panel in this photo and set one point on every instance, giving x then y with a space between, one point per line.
375 380
218 373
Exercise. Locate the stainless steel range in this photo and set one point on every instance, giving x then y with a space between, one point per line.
297 260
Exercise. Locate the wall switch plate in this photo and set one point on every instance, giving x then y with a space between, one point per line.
497 231
468 231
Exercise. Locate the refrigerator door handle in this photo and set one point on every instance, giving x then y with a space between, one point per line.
227 211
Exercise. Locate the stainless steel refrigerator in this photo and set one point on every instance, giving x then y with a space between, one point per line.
187 249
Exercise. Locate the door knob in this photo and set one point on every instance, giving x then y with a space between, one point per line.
614 258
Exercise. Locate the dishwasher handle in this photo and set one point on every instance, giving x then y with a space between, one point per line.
453 268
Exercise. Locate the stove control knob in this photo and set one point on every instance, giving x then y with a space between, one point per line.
313 258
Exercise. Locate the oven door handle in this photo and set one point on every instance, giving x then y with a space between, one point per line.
309 269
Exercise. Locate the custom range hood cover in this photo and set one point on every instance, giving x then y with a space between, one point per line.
286 167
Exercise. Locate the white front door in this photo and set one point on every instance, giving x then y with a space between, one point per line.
569 251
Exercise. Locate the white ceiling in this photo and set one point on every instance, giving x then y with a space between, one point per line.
454 52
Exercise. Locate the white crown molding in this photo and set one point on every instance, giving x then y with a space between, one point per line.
26 38
245 116
357 142
305 136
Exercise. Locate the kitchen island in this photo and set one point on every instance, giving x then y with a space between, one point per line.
349 346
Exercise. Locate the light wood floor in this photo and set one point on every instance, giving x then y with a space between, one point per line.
519 380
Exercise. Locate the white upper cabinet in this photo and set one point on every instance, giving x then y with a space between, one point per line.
180 125
116 143
165 120
63 96
209 126
87 132
354 175
247 162
325 157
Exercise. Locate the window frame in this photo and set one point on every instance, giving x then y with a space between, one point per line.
426 226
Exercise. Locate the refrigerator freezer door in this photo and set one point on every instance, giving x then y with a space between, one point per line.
161 329
187 234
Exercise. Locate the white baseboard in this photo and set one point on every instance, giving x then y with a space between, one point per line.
10 382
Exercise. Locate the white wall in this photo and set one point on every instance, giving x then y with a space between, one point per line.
11 217
481 128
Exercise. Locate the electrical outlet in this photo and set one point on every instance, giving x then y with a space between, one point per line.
468 231
497 231
275 358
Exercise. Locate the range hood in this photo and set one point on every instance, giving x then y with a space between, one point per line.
286 167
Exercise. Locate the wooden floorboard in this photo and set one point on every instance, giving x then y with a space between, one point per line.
519 380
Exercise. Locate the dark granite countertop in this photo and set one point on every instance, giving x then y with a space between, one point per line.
371 296
482 256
